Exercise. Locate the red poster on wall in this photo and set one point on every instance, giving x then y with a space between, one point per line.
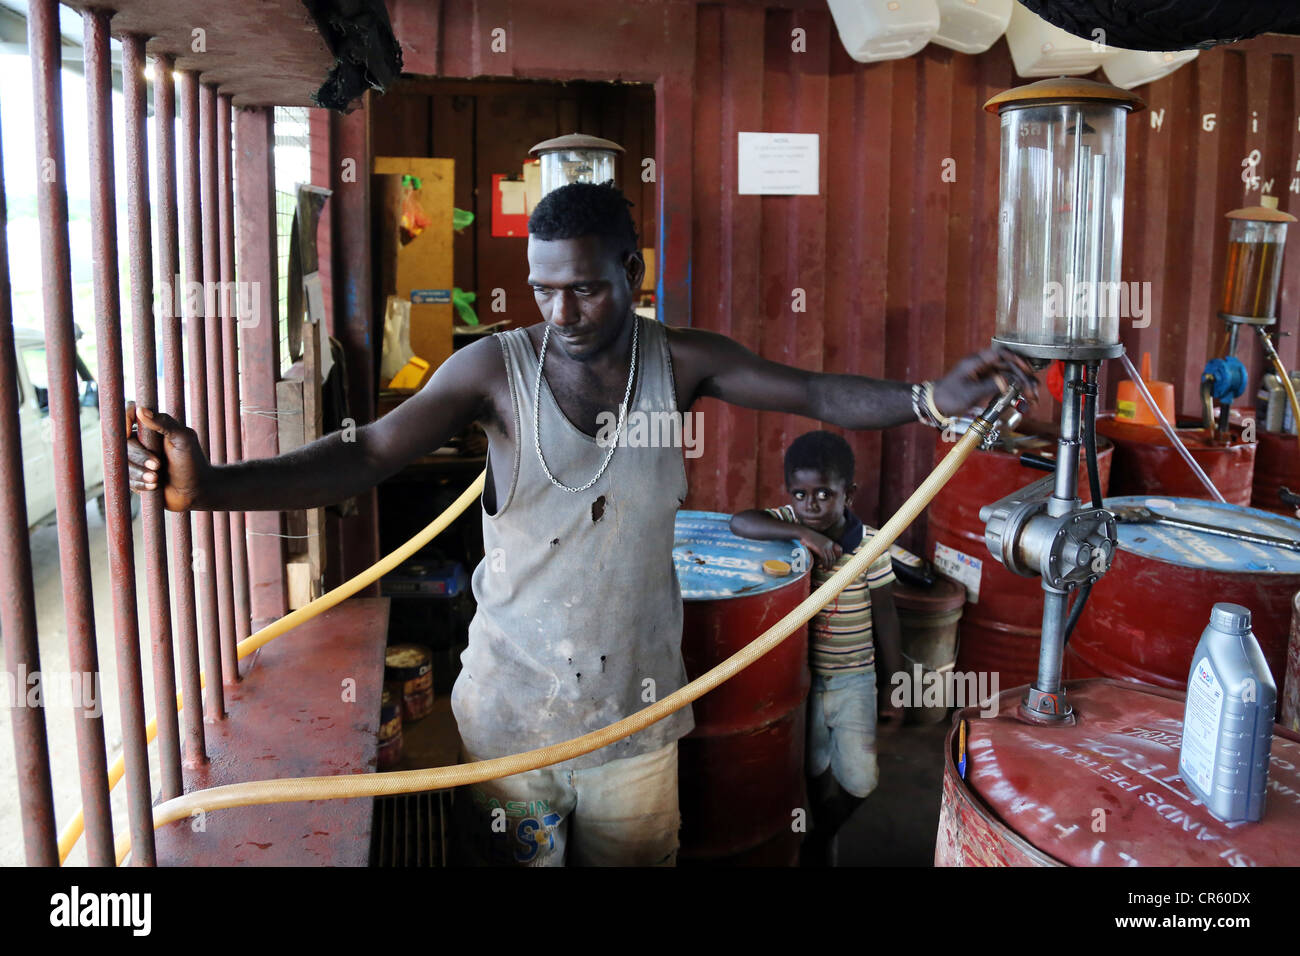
509 207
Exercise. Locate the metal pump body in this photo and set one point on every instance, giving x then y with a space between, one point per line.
1065 550
1044 530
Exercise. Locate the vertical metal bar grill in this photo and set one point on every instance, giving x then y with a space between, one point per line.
230 321
65 410
112 402
17 597
213 322
181 524
204 558
146 394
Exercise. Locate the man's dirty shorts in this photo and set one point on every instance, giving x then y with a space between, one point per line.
622 813
842 730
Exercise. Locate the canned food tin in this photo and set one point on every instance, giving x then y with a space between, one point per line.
408 669
390 730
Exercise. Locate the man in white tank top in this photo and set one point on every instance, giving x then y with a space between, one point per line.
579 614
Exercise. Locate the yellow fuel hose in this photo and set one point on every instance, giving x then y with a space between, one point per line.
1282 374
72 832
351 786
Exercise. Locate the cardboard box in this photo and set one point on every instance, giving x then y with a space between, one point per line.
420 270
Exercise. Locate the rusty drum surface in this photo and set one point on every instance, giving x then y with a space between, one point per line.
1146 614
1146 463
1277 466
1033 794
741 769
1000 626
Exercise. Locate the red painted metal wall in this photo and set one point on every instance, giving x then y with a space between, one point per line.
897 266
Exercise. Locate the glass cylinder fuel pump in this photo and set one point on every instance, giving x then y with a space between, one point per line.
1060 231
576 158
1061 218
1256 236
1252 273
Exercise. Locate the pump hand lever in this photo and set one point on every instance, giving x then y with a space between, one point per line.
1136 514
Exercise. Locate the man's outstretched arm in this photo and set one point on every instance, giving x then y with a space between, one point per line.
324 471
712 365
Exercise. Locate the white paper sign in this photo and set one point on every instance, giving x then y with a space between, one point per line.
778 164
513 197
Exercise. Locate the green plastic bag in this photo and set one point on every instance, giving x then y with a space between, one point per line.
463 301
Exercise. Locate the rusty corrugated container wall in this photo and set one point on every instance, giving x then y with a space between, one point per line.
895 263
900 276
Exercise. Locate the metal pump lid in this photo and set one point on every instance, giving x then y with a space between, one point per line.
1063 89
575 141
1230 617
1266 211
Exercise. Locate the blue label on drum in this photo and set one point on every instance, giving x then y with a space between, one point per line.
712 562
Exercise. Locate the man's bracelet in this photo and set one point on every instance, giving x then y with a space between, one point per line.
924 407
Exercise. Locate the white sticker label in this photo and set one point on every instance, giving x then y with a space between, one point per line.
1201 726
962 568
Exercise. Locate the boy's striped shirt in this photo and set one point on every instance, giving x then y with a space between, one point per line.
840 635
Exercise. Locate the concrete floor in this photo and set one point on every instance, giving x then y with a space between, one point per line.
52 637
895 826
898 823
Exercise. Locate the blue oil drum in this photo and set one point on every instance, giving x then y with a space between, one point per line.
741 770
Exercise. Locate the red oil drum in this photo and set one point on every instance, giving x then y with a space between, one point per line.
1290 688
1146 463
1146 614
741 770
1000 626
1277 465
1035 796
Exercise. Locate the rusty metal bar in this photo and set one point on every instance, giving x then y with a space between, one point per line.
353 321
230 320
17 598
259 353
181 525
65 409
112 423
146 394
204 556
214 333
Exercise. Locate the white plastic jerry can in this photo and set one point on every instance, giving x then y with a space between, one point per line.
972 26
1040 49
884 29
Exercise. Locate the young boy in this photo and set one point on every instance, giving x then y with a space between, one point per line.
842 637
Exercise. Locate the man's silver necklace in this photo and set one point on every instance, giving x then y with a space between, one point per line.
622 412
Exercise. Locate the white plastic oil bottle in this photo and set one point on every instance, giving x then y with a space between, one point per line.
1228 719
